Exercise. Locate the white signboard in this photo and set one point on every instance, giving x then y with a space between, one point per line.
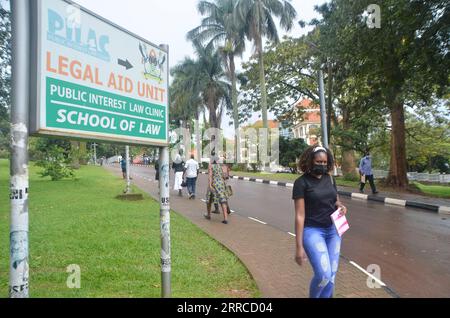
95 80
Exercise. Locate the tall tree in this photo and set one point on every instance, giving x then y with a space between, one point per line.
186 103
203 77
404 63
257 16
223 30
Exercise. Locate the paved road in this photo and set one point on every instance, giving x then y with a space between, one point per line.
411 247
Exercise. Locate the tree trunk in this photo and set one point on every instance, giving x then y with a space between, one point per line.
197 138
348 154
83 152
205 122
262 82
75 154
212 114
234 100
397 177
329 100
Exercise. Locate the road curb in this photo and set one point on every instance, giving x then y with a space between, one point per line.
385 200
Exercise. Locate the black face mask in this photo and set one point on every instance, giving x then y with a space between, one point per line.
320 170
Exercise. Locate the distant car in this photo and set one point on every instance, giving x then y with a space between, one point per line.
284 170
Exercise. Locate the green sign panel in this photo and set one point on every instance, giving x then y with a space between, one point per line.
95 80
75 107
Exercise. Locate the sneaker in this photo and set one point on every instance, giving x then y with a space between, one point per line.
225 222
208 217
193 197
375 192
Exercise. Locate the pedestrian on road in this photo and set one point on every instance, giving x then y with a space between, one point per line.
316 198
123 165
365 172
216 192
191 173
226 176
178 167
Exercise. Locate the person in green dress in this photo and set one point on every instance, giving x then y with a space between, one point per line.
217 192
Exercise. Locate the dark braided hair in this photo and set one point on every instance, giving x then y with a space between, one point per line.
306 160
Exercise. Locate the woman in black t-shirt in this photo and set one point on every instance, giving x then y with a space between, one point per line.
316 198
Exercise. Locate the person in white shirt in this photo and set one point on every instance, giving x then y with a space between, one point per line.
191 173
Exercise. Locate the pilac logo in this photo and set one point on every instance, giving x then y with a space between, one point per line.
153 63
65 28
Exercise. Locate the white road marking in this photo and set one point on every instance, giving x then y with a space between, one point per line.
368 274
256 220
259 180
274 182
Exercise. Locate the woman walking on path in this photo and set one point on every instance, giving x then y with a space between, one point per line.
217 192
226 176
316 198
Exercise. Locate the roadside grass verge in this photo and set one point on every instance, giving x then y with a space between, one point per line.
434 190
115 243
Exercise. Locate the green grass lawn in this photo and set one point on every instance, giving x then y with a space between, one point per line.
435 190
115 243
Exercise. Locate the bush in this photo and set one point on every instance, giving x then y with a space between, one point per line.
239 167
56 164
351 177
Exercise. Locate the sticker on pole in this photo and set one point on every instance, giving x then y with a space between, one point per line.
94 80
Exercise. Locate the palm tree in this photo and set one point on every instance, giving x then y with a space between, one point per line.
221 29
212 82
257 16
202 81
185 97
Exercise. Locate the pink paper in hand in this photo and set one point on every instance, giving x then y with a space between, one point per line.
340 221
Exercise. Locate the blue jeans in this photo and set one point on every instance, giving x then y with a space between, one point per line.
190 183
323 247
